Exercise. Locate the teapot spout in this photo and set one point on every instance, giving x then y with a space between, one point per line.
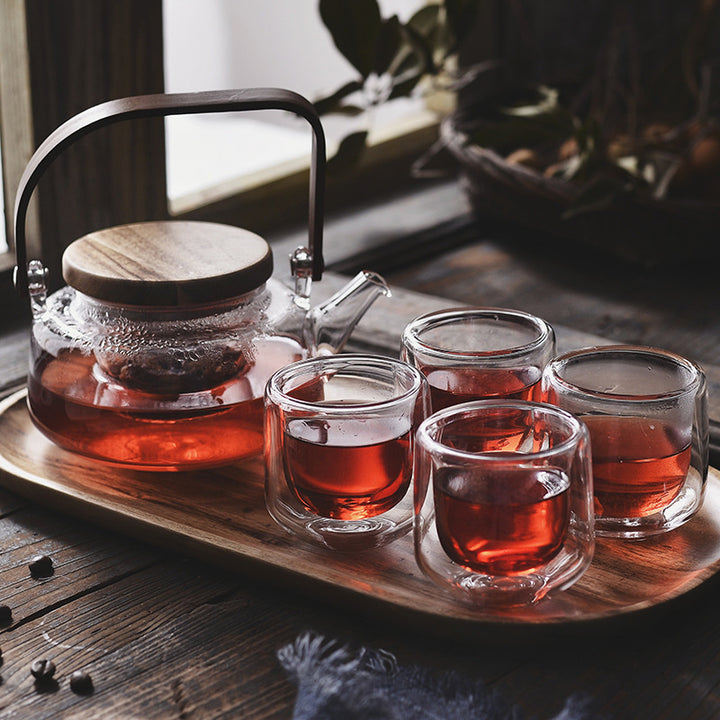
329 325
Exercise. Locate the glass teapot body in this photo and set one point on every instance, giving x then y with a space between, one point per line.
156 387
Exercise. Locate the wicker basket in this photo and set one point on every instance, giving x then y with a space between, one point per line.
643 230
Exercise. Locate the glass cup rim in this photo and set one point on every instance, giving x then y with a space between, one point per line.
562 360
425 439
344 361
411 334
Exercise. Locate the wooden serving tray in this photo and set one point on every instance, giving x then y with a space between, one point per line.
220 515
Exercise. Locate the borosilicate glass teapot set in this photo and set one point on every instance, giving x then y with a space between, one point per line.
156 353
173 348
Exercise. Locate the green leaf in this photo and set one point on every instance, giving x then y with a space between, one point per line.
349 152
388 44
546 101
422 47
344 109
333 103
427 29
426 20
355 26
415 55
405 86
408 59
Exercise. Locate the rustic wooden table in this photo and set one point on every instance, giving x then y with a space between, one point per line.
167 634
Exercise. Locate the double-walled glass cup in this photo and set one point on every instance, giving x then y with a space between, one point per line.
503 501
479 353
339 439
646 410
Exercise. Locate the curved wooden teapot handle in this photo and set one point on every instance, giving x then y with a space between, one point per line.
141 106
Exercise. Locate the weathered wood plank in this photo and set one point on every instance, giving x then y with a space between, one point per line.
131 636
83 561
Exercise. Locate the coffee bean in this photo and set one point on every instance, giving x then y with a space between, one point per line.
5 615
81 682
41 566
42 670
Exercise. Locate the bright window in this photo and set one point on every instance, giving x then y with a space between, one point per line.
222 44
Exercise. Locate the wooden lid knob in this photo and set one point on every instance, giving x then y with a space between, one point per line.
173 263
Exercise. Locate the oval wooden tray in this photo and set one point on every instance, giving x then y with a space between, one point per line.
220 515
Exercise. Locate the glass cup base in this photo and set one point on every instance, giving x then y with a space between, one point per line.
676 514
345 535
502 591
499 592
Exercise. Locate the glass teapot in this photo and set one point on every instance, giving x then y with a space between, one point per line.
156 353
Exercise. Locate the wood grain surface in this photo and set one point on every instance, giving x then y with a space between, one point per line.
219 515
167 263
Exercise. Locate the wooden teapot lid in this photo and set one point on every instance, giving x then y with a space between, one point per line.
174 263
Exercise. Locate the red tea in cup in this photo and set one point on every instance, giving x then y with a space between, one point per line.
339 448
479 353
646 410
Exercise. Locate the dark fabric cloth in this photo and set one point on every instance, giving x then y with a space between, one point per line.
335 682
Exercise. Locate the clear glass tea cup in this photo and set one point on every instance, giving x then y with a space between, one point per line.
646 410
339 441
479 353
503 501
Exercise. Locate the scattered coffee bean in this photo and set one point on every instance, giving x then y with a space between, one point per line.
81 682
5 615
41 566
42 670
